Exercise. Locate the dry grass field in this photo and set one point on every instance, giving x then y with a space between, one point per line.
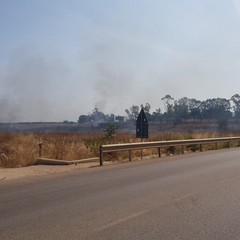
22 149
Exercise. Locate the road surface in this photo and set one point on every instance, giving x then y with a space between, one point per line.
191 196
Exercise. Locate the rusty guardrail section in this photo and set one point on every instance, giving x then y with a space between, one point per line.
161 144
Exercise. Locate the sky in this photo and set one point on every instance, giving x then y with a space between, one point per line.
60 59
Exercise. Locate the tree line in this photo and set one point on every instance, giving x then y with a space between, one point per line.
175 111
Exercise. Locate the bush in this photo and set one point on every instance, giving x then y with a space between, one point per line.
193 147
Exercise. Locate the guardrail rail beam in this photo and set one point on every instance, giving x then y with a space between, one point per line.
162 144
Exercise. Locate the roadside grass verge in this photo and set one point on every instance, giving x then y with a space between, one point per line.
19 149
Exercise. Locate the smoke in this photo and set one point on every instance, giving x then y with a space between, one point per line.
36 87
26 87
112 81
8 111
111 87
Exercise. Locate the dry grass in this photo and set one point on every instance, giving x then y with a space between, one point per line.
18 149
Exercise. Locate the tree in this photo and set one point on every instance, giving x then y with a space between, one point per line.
84 119
169 114
97 116
216 108
236 101
167 101
194 108
132 112
157 115
146 110
110 117
181 110
168 106
119 118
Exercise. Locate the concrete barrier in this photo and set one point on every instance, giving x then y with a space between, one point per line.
48 161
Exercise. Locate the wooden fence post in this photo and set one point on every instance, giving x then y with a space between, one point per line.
40 149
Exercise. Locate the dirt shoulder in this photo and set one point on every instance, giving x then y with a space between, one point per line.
15 173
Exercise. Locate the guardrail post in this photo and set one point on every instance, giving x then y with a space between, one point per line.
101 156
130 155
161 146
40 149
159 152
182 149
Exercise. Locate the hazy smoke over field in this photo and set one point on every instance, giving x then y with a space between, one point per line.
38 88
27 88
111 86
114 80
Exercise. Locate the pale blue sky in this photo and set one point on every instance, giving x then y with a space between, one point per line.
62 58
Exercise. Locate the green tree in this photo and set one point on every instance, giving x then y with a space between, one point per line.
110 130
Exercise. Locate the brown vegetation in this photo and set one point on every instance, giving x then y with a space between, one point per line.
18 149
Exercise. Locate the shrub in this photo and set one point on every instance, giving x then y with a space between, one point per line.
193 147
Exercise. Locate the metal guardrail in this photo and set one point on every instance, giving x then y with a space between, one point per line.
161 144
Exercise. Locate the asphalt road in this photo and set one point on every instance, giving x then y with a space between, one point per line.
192 196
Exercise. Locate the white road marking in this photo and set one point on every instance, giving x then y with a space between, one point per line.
121 220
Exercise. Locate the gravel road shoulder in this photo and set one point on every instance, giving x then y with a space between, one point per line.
22 172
